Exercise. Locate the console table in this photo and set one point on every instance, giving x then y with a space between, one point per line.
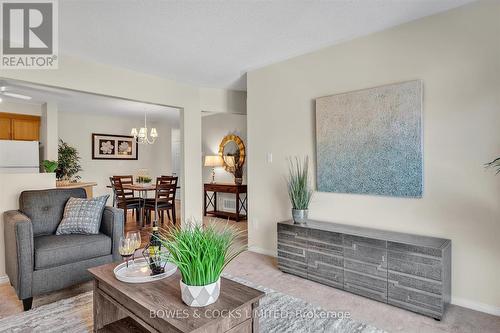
408 271
210 199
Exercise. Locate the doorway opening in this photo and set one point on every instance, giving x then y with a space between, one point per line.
224 138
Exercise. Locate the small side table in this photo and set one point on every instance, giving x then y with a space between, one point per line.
210 200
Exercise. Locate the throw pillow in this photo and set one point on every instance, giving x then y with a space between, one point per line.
82 216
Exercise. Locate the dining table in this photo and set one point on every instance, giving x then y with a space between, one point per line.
143 189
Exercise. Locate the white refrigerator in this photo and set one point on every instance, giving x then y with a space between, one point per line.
19 156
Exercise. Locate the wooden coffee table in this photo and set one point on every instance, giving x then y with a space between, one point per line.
157 306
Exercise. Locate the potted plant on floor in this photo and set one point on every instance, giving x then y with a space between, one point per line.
299 190
68 165
201 254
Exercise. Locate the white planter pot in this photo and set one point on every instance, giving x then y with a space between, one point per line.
198 296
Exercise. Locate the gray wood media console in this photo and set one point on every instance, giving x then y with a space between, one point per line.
408 271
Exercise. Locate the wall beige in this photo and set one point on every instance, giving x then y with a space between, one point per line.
49 138
21 108
457 55
221 100
155 158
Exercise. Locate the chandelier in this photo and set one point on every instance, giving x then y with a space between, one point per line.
142 136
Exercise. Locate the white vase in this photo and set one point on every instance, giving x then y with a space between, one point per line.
198 296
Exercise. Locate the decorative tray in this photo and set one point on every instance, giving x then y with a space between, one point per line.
139 272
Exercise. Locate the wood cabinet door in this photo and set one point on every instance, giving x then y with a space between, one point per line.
26 129
5 129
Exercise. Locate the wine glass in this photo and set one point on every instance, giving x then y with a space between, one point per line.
135 237
126 248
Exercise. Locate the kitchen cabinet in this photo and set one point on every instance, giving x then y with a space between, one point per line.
19 127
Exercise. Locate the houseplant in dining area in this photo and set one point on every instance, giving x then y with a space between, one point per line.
299 190
201 253
68 164
144 180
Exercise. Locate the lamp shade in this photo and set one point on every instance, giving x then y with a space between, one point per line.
213 161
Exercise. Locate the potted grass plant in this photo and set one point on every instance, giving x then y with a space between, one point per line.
299 190
201 254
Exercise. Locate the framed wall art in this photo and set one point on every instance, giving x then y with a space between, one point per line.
370 141
114 147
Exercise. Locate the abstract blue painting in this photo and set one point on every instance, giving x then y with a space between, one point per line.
370 141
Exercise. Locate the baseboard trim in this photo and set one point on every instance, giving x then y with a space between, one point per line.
260 250
4 279
477 306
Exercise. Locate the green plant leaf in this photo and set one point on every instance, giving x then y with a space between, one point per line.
201 253
299 190
68 162
49 166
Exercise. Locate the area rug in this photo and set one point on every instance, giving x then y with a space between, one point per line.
278 313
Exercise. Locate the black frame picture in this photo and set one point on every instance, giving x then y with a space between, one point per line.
114 147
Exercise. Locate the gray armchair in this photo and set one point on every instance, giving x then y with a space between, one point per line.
38 261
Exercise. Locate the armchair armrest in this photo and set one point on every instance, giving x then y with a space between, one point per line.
19 253
112 226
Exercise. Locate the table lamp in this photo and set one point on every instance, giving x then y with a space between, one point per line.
213 161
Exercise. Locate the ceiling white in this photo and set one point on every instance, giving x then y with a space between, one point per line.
214 43
76 101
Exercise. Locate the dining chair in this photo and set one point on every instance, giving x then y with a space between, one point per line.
123 200
127 180
164 200
168 179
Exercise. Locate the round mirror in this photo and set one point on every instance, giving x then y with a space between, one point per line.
232 151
